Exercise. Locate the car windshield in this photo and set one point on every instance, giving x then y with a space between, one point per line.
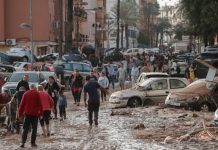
16 77
47 74
142 85
17 64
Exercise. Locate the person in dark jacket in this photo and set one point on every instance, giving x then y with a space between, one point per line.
31 109
53 88
76 86
92 89
24 83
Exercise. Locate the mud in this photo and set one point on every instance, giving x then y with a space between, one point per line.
118 132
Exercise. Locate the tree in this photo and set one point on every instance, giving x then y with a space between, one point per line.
143 38
202 16
163 26
128 15
150 10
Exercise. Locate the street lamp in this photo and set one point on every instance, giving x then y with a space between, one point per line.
24 25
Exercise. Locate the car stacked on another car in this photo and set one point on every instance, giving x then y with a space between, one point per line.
196 96
152 90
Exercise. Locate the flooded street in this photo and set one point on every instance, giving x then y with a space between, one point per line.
143 128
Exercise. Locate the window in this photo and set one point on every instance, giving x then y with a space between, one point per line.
159 85
77 67
136 50
176 84
86 68
16 77
68 67
129 51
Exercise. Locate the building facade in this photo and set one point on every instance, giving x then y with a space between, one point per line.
13 13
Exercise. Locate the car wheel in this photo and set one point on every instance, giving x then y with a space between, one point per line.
205 107
134 102
25 59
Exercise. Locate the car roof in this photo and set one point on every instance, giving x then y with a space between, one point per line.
27 72
154 73
3 65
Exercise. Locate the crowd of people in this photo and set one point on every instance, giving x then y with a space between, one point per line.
36 103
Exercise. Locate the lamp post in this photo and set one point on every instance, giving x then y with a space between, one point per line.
24 25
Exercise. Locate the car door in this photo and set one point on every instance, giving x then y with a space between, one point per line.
176 84
158 90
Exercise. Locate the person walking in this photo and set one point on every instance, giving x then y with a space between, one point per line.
24 82
53 88
47 105
76 86
111 74
122 75
31 109
104 83
134 74
62 102
91 88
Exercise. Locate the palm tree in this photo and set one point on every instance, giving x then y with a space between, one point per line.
150 10
128 15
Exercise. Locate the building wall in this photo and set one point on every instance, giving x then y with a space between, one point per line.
17 11
2 18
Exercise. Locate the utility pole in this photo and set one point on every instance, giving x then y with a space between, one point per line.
69 24
31 31
118 25
60 21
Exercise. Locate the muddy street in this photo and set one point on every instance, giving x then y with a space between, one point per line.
120 129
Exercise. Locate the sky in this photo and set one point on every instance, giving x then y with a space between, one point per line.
167 2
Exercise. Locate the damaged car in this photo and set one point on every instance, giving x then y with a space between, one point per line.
152 90
196 96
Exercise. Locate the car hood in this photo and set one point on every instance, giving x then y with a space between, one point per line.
14 84
128 93
198 89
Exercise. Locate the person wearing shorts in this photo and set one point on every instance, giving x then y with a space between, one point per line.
47 105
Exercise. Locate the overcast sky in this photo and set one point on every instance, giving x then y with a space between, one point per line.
167 2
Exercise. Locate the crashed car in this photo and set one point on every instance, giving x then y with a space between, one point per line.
196 96
152 90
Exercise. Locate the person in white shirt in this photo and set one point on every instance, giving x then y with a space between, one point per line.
104 83
134 74
122 75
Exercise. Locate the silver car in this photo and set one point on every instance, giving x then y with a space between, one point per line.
152 90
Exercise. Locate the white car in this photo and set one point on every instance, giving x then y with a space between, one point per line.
20 54
21 66
153 90
133 51
145 75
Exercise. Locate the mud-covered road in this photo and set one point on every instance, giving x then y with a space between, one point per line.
144 128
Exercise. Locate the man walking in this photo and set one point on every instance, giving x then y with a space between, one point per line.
91 88
24 83
31 109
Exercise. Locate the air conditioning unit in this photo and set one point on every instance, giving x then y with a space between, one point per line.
10 42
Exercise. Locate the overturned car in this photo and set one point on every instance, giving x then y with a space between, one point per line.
196 96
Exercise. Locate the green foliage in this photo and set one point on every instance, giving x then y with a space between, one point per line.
128 12
202 16
151 9
143 38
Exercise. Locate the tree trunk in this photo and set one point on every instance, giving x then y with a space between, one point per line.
127 35
118 25
149 30
69 25
60 27
122 26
